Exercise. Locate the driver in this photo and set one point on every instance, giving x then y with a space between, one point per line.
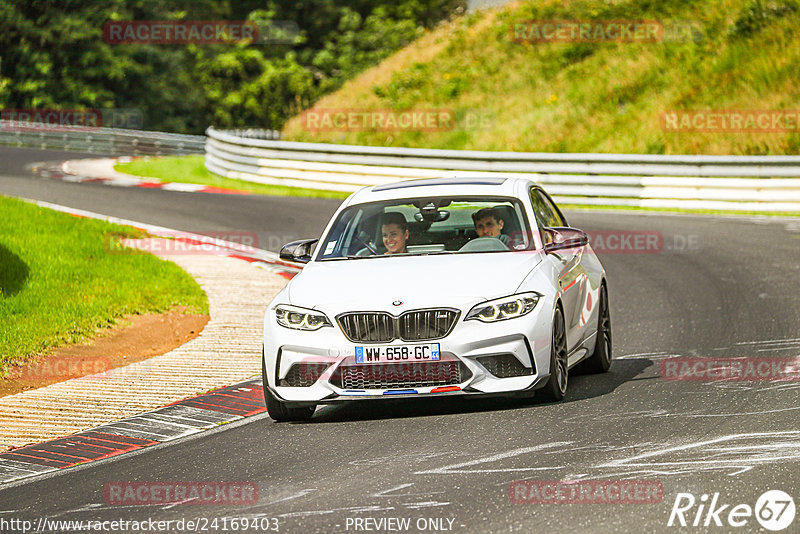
489 224
394 229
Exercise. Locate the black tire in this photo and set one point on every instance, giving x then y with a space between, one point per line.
279 410
556 386
600 360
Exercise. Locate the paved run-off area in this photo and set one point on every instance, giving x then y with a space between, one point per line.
227 351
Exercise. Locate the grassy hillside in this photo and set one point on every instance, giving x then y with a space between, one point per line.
583 96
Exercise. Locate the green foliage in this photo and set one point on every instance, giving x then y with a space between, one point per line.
758 14
52 55
361 42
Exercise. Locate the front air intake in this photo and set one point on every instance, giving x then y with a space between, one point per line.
399 376
505 366
303 374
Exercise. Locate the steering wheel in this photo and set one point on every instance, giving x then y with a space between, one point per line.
363 238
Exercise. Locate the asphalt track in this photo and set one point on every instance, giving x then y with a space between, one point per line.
719 287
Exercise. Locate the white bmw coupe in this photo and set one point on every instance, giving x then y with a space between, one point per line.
427 288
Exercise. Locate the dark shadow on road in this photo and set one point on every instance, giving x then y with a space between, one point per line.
581 387
13 272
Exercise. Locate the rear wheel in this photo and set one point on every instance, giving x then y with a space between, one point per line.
556 386
600 360
279 410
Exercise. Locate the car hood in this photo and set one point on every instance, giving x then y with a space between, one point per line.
416 281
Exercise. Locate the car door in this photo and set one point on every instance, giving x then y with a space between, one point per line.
572 278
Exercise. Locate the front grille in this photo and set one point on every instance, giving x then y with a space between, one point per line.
504 366
399 376
302 375
381 327
374 327
425 324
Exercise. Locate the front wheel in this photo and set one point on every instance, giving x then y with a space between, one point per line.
556 386
279 410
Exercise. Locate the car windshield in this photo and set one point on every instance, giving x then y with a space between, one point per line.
442 225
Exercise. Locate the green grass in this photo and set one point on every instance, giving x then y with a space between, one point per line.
59 283
191 169
585 97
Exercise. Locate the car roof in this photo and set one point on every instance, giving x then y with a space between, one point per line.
491 180
475 185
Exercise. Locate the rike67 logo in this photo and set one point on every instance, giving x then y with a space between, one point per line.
774 510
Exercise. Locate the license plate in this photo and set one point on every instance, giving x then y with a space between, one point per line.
398 353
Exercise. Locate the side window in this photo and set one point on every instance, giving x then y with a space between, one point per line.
558 219
546 213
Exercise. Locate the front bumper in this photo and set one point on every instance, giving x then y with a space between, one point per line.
477 358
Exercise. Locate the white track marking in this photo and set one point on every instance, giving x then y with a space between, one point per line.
384 492
770 341
352 510
792 433
297 495
172 505
428 504
618 416
664 413
456 469
412 457
653 356
776 449
755 386
738 414
640 354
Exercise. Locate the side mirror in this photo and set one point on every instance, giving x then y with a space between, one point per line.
562 238
298 251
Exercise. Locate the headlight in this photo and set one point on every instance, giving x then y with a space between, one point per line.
300 318
504 308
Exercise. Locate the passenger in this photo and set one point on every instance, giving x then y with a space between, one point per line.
394 229
489 224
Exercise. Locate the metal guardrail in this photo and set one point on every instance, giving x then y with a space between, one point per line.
742 183
110 141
